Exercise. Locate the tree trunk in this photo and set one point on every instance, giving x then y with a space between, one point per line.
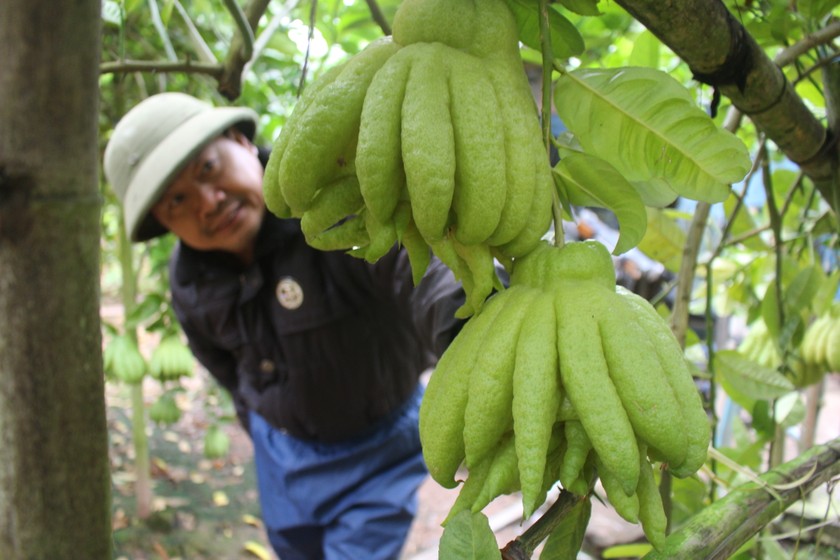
54 473
719 51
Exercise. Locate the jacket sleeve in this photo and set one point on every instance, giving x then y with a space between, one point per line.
434 302
430 305
220 363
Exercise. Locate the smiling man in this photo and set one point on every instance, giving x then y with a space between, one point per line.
321 352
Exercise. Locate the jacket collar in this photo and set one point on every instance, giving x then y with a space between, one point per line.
192 264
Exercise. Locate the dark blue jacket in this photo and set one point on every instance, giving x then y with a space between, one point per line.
327 370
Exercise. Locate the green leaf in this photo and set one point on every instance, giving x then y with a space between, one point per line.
656 193
645 51
796 297
802 290
112 13
816 9
770 310
468 536
749 378
763 421
789 410
147 308
647 125
582 7
743 223
827 292
565 541
566 40
627 551
664 239
591 181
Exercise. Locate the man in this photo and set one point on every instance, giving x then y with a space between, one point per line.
321 351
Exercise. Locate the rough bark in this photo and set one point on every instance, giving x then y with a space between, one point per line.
719 51
54 475
718 531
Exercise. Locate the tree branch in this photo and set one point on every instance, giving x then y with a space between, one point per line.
241 46
705 35
205 54
228 74
268 31
688 266
522 547
821 37
720 529
185 66
154 12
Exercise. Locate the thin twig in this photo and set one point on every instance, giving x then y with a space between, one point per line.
727 229
161 30
267 33
821 37
205 54
747 235
184 66
241 46
246 32
688 264
378 16
545 115
313 11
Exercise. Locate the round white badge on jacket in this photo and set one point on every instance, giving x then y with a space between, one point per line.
289 293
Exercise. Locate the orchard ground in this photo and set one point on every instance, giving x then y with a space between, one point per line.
208 509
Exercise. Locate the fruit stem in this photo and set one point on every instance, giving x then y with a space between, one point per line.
525 544
545 113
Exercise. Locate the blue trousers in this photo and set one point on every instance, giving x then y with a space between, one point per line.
352 500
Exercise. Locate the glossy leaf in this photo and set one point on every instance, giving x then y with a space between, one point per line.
646 48
656 193
468 536
582 7
565 541
800 292
646 124
742 224
591 181
750 378
566 40
664 239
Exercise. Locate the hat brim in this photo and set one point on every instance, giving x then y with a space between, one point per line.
168 158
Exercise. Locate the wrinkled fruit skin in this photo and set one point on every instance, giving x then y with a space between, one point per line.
430 139
583 375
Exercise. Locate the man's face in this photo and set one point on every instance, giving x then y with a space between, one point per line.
216 201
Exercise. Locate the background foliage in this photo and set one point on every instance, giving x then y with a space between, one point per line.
768 259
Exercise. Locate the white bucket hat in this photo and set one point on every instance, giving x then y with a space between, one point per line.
153 142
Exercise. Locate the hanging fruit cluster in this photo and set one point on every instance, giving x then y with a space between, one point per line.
820 349
429 138
171 360
122 360
565 376
216 442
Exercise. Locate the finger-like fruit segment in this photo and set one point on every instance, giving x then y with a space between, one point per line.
442 408
488 412
585 375
428 143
